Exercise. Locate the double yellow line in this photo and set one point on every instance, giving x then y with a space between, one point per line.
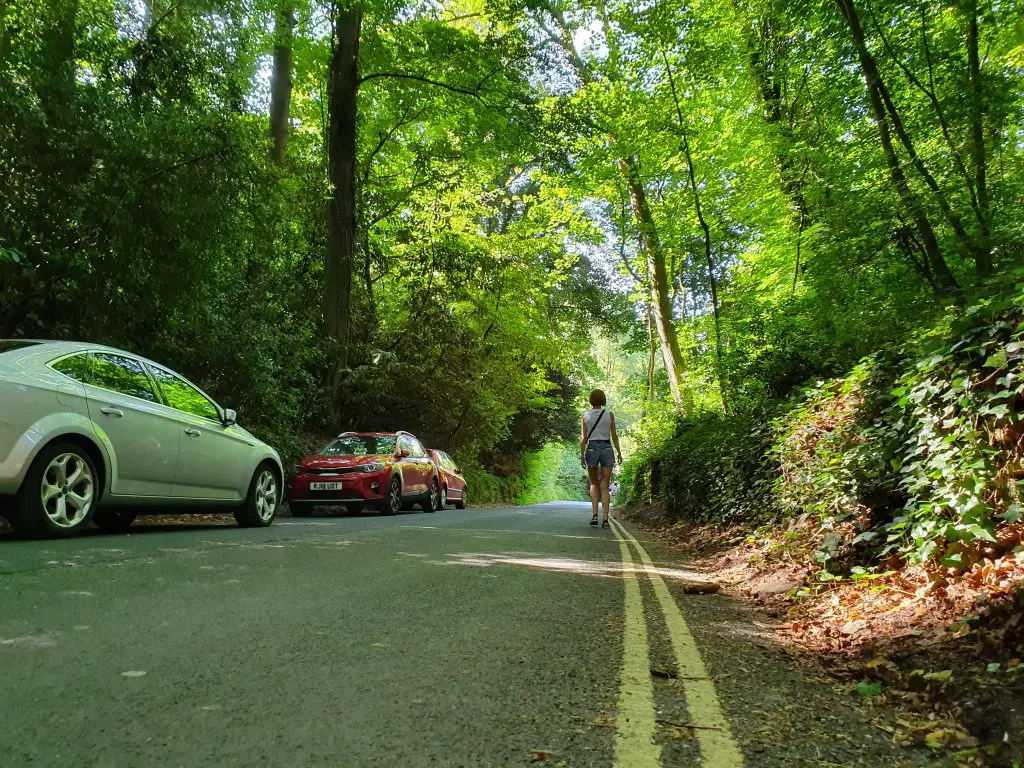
635 745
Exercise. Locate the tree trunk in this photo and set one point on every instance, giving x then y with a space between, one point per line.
649 399
59 58
343 89
5 8
712 279
281 80
656 272
943 276
658 279
983 249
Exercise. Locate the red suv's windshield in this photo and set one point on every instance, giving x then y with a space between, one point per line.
359 445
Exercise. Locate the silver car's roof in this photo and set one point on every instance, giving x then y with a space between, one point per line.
47 348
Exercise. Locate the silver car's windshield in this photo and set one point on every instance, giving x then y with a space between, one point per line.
359 445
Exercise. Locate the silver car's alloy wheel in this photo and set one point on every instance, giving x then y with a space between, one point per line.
67 490
266 495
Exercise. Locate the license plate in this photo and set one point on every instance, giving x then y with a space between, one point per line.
325 486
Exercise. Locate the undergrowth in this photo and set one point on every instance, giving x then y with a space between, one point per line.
913 456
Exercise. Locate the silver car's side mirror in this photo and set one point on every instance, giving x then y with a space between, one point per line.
230 417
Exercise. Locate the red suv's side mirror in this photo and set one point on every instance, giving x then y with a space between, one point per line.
404 453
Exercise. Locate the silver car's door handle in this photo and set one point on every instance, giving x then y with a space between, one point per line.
112 411
193 432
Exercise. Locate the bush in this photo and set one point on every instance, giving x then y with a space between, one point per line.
915 450
712 469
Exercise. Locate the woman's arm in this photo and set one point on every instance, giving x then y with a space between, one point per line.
615 440
583 437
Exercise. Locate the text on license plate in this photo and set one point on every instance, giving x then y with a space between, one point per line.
325 486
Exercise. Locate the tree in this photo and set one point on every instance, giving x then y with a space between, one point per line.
281 80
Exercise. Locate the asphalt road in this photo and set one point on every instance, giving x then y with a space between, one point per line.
464 638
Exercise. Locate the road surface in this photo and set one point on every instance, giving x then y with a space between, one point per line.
485 637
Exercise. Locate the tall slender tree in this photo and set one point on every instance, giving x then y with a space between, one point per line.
281 80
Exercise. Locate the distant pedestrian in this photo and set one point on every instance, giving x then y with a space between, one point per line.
597 437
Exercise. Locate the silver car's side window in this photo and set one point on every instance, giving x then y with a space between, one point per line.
121 374
182 396
74 367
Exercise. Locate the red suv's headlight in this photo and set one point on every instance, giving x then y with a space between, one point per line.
376 466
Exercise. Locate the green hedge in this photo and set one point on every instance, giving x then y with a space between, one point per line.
915 449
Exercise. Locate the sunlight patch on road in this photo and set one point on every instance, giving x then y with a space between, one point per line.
30 641
484 560
591 567
454 529
717 745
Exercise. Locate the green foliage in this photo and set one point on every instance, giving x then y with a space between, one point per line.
549 473
487 488
710 469
913 453
552 473
139 208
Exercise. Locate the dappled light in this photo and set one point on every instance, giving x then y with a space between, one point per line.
600 568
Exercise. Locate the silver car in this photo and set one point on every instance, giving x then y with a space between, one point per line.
92 433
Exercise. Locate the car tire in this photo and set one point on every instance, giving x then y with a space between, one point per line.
262 501
392 503
430 504
114 520
443 501
462 502
300 509
40 509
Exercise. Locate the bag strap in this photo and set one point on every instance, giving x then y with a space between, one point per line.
591 430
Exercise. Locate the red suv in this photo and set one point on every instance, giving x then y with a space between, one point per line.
382 470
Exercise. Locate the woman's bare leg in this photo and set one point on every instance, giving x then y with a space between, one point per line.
595 488
606 478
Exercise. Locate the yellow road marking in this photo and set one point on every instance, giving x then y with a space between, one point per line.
717 746
634 721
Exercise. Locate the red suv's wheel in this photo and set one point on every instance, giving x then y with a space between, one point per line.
430 503
392 503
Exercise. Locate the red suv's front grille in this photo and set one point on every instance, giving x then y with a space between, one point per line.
332 472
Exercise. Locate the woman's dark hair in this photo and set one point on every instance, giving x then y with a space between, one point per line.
597 398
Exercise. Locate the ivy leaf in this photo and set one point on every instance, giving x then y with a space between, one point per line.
979 532
997 360
1012 514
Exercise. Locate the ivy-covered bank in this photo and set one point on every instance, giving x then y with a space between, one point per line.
913 456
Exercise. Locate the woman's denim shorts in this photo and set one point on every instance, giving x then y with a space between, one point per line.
600 454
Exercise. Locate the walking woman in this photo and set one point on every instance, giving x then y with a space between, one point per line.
598 435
